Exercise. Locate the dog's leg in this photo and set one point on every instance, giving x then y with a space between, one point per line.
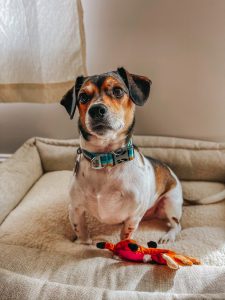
78 223
173 211
129 226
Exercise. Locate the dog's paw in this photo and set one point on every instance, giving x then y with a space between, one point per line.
169 237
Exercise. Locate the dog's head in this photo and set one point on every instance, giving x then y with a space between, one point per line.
106 102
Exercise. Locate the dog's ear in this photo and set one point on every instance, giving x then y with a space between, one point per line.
69 100
138 86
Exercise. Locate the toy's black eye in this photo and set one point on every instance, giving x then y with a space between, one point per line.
133 247
118 92
84 98
152 244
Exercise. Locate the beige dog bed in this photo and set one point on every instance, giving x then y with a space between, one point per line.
38 259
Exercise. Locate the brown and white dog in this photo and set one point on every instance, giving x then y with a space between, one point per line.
127 192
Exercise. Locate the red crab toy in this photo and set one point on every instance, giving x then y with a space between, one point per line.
130 250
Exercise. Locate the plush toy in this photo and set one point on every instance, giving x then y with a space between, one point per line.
130 250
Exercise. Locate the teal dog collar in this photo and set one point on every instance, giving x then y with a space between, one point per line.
102 160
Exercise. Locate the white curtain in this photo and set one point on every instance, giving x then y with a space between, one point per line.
42 49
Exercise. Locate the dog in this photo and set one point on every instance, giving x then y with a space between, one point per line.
113 181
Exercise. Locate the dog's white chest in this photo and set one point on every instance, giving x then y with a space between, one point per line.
114 195
109 203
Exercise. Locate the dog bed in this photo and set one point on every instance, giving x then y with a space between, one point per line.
39 260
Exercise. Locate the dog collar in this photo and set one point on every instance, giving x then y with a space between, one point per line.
102 160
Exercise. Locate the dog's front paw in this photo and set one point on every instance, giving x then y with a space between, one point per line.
169 237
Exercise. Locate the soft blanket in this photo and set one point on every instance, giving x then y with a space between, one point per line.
38 259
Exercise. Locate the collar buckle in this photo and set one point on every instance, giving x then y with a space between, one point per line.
96 163
120 155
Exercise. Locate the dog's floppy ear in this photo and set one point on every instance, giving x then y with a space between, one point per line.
138 86
69 100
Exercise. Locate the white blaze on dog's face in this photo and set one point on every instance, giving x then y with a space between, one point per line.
105 107
107 102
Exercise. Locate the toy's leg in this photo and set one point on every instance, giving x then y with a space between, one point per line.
77 220
186 260
173 211
129 226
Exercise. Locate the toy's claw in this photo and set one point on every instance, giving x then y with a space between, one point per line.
171 263
152 244
186 260
133 247
179 260
183 260
195 260
100 245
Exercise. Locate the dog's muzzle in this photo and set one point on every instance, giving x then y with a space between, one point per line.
98 111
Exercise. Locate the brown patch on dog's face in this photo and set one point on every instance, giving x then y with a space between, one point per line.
89 89
104 106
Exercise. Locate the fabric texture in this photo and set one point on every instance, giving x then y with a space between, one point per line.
17 175
39 260
42 49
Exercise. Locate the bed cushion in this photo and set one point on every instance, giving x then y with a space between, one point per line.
17 175
39 260
41 221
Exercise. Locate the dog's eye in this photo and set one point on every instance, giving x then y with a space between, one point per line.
118 92
83 98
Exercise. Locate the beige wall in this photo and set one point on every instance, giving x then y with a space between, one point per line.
179 44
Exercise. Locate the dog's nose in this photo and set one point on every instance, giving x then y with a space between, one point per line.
98 111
